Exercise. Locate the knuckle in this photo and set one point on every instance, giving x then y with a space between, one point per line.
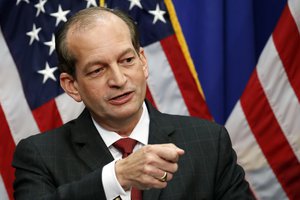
147 148
163 184
147 183
147 170
172 168
143 180
175 167
170 176
150 159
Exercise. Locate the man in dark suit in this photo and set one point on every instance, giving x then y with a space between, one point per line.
174 157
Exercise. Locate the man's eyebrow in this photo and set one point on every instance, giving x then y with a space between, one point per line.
128 50
91 63
99 62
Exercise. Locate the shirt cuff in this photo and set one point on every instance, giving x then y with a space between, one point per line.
111 185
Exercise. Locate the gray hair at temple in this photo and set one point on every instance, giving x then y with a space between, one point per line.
84 18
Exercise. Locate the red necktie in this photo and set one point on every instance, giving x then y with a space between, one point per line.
126 145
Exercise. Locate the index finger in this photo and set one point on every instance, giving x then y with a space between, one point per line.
167 152
171 145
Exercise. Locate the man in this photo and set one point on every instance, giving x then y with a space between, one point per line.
175 157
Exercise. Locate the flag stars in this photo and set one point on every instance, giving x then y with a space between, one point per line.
135 3
91 3
48 73
40 7
18 1
60 15
51 44
34 34
158 14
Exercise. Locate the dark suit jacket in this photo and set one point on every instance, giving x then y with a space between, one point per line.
66 163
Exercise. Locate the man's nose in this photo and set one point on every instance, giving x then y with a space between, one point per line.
117 77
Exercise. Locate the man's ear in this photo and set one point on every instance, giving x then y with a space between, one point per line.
144 62
69 84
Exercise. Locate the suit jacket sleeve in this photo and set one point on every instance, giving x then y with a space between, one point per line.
230 183
34 181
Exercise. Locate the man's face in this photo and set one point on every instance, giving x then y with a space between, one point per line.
110 75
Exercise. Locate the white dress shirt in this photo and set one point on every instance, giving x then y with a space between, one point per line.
140 133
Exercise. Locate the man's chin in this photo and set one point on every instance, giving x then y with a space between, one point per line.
126 112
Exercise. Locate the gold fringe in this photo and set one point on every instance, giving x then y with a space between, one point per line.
102 2
182 43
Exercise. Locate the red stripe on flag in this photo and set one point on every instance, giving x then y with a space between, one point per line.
287 42
47 116
270 137
149 96
7 147
193 99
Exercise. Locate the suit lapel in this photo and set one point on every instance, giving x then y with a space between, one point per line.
92 150
88 143
159 133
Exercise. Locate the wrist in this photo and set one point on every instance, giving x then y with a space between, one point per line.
121 174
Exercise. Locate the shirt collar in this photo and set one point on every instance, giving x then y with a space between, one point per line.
139 133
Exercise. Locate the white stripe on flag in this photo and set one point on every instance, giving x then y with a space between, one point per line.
265 184
258 172
280 94
162 83
67 107
243 140
294 6
12 98
3 193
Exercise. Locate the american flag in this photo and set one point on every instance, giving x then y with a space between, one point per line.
263 124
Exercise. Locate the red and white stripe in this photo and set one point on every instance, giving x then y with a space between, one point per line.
171 83
16 119
162 83
264 125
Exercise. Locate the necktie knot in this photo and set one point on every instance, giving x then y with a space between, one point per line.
125 145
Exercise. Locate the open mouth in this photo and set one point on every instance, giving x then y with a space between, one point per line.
121 96
121 99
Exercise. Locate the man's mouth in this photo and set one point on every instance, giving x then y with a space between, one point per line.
121 99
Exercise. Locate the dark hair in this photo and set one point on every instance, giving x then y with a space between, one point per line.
86 17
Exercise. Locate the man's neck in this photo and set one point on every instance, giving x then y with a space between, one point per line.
123 127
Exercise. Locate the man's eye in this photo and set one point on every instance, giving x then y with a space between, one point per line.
95 72
127 61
